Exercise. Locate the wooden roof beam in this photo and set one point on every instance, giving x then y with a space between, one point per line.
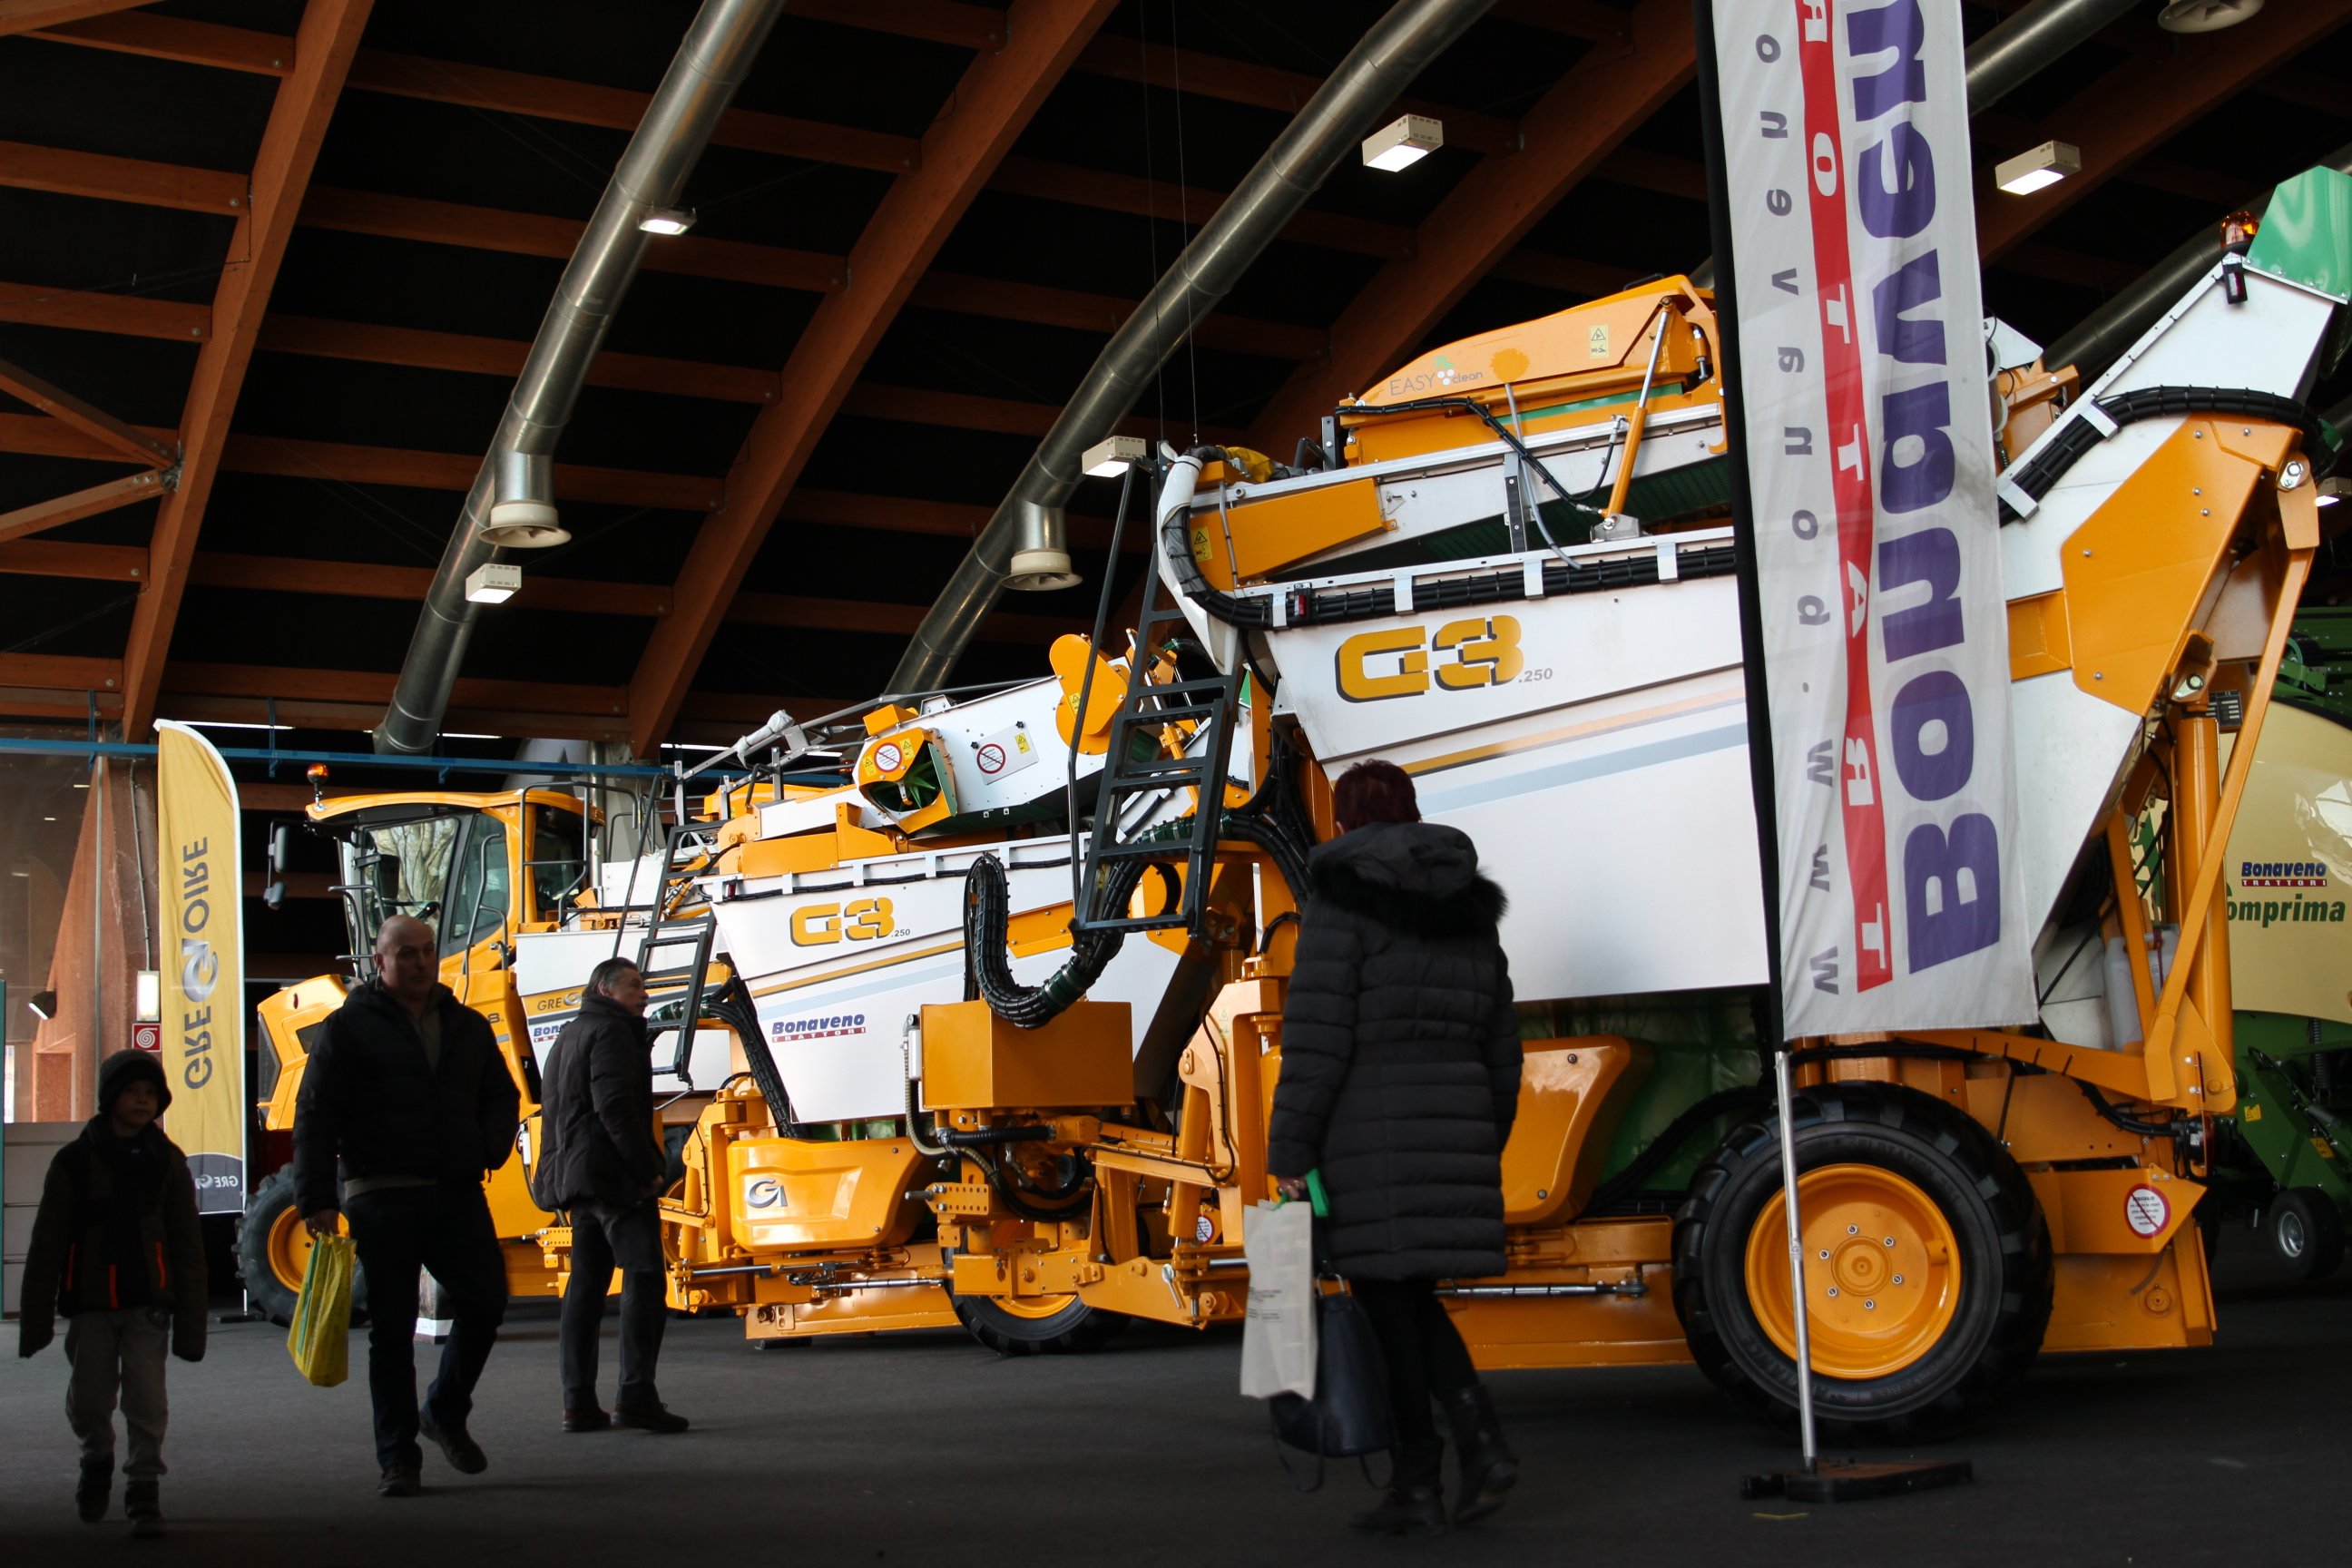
216 192
337 462
128 490
2140 106
1577 19
1568 133
323 47
168 320
1269 87
93 422
91 562
994 100
533 233
650 601
94 311
264 54
975 27
26 16
60 672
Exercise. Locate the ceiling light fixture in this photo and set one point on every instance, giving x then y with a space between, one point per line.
44 1005
2205 15
668 220
1108 459
2037 168
493 583
1402 142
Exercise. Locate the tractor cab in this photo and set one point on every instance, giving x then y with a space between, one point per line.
477 868
474 867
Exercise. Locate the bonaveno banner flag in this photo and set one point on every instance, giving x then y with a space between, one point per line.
1868 446
202 894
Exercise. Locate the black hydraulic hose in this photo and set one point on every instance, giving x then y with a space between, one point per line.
734 1007
2079 435
987 917
2100 1103
982 1136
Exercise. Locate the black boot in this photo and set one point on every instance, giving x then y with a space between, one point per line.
93 1490
1489 1469
142 1506
1416 1511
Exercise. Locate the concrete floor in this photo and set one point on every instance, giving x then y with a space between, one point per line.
928 1449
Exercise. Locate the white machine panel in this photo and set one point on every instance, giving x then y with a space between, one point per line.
836 968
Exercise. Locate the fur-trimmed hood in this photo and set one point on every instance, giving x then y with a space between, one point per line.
1417 877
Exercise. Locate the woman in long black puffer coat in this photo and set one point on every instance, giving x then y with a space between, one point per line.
1400 1078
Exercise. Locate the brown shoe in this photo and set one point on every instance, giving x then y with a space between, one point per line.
399 1480
649 1418
592 1419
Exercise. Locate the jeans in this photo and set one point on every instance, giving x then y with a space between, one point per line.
447 1229
1426 1360
118 1349
602 1237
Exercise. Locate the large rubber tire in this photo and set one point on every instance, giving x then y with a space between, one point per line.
2306 1232
272 1247
1948 1348
1069 1330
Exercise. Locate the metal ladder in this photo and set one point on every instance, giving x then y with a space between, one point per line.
666 938
1134 765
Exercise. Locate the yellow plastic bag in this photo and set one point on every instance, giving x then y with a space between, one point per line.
319 1340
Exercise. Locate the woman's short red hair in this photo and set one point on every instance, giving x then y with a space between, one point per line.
1374 792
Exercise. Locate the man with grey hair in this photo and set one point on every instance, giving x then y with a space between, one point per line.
605 1164
407 1091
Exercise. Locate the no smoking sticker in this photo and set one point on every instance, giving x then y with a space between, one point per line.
2145 1211
886 757
1003 753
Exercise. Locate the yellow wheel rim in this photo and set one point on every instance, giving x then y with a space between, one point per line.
1035 1309
1882 1271
290 1246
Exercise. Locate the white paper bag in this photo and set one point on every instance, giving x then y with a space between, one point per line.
1278 1333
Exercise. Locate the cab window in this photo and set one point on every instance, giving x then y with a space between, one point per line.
475 909
558 858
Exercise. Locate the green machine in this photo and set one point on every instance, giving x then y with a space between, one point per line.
2287 1151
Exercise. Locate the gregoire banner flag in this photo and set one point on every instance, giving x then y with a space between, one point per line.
203 949
1868 446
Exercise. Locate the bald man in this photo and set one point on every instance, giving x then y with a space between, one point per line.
406 1088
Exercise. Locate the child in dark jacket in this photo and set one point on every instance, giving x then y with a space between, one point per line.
117 1250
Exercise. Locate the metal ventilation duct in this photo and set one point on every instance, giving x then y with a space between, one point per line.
711 63
2002 59
1326 132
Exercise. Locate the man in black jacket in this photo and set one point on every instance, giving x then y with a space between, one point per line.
407 1089
605 1165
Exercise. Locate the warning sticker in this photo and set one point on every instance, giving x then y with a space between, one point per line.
888 756
2145 1211
1006 751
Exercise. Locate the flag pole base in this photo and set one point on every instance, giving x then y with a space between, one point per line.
1851 1480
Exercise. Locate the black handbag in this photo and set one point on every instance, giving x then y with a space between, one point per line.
1350 1415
